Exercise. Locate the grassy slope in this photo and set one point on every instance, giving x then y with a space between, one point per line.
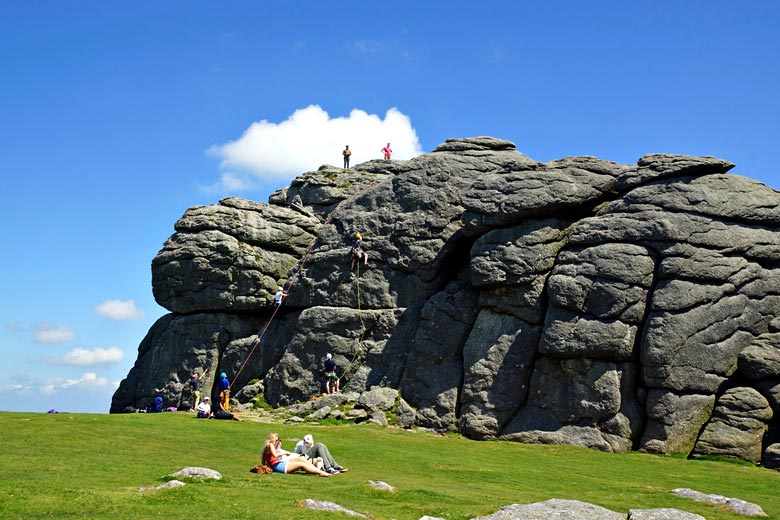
90 466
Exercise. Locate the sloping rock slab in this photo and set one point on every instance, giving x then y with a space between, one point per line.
664 513
554 509
735 504
320 505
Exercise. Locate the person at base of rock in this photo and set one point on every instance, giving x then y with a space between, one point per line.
310 449
220 412
224 390
331 378
155 406
282 461
278 297
195 387
357 252
346 153
204 409
387 151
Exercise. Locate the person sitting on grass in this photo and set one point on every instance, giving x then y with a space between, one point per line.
282 461
204 408
312 451
221 413
155 406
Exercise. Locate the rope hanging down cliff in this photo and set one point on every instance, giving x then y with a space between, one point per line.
294 278
362 337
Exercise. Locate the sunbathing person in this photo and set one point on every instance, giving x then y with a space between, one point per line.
282 461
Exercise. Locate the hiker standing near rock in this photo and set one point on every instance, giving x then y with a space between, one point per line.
195 386
387 151
311 450
331 379
224 391
346 153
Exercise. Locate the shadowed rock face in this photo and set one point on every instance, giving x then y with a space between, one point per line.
578 301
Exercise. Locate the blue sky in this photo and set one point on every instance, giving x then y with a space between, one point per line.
115 117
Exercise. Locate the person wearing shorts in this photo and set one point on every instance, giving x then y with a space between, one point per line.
387 152
331 379
282 461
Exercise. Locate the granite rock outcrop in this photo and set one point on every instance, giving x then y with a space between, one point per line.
576 301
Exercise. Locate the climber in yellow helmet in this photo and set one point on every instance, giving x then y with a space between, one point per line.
357 251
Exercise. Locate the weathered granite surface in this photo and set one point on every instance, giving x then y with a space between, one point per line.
575 301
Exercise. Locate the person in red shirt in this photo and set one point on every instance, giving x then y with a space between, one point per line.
387 151
282 461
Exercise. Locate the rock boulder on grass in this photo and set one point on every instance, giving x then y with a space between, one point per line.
553 509
739 422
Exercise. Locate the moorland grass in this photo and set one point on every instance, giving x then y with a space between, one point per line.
91 466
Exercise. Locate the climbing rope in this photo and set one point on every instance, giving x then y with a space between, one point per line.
294 279
360 340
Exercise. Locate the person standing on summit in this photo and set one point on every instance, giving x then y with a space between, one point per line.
346 153
387 151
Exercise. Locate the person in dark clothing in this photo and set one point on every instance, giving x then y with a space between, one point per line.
346 153
195 387
331 378
155 406
219 412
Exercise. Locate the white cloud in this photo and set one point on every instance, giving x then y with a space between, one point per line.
306 140
230 182
119 310
88 381
83 357
48 333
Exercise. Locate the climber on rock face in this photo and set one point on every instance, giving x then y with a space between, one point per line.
279 296
357 252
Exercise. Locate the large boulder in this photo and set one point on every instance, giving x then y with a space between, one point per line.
738 424
576 301
229 257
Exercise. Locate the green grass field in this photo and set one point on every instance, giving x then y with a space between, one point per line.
91 466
